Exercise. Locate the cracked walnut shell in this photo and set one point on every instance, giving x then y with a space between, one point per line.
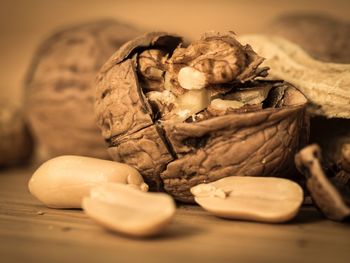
179 137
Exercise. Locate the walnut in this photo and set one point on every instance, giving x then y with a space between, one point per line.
175 136
215 59
151 67
59 92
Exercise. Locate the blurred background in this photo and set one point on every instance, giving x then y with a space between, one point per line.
25 23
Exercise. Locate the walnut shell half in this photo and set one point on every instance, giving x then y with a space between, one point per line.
175 155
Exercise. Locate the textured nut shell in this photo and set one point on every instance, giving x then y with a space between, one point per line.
264 199
59 86
164 152
125 117
324 194
326 85
146 151
261 143
330 140
120 107
158 39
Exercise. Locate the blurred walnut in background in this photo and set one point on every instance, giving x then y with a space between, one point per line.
16 144
59 87
323 37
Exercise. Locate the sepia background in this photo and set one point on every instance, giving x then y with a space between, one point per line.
25 23
31 232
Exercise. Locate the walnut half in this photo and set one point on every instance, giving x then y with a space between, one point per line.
184 115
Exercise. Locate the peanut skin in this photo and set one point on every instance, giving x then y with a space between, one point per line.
326 85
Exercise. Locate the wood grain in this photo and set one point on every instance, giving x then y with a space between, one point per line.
30 232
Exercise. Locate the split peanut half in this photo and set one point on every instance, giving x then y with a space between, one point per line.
129 211
265 199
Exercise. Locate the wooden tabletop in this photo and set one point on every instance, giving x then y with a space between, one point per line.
30 232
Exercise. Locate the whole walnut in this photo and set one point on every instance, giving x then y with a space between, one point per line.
59 90
16 144
184 115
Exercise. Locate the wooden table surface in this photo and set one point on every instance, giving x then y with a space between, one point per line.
30 232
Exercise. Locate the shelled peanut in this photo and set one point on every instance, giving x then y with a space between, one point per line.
129 211
113 194
64 181
264 199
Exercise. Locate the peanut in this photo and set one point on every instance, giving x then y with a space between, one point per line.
62 182
264 199
129 211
